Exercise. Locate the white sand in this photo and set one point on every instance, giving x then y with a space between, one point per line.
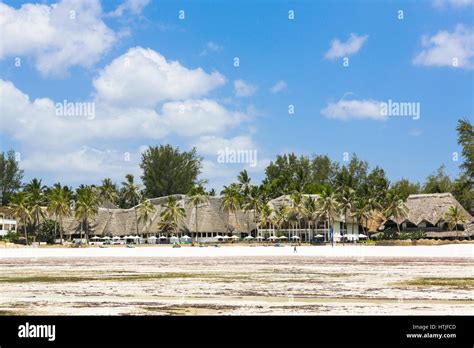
441 251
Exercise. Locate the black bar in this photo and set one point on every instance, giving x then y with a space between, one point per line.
242 331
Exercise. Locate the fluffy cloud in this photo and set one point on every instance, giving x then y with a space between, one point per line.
82 165
143 77
57 36
196 117
340 49
210 145
278 87
454 49
38 120
135 7
243 89
354 109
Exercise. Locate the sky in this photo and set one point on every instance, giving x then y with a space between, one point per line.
86 86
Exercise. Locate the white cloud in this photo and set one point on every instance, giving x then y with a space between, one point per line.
279 86
143 77
445 48
354 109
340 49
243 89
453 3
58 36
135 7
37 121
196 117
211 144
82 164
211 47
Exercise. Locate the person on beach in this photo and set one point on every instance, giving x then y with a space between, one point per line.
294 249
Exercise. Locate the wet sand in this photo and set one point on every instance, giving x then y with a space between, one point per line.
236 285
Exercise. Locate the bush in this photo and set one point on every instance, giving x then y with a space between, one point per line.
46 231
12 237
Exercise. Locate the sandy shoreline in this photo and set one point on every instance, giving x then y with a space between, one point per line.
436 251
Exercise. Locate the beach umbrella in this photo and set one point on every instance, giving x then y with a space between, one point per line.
295 237
163 237
218 237
362 235
95 237
106 238
319 236
225 237
116 237
174 238
248 238
185 237
272 238
260 237
283 237
152 237
235 237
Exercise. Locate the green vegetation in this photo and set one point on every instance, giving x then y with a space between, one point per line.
168 171
460 283
350 188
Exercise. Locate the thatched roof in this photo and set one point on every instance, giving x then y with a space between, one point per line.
285 200
375 221
211 218
431 208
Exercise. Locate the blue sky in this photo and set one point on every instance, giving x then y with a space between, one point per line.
81 59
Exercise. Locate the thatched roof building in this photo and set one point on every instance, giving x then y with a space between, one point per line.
430 208
121 222
285 200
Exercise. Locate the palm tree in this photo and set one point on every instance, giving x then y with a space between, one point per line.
265 216
87 207
58 205
108 194
347 198
328 208
172 214
197 196
311 207
362 212
244 183
281 215
396 208
253 203
296 209
454 217
230 202
146 210
131 194
244 186
19 205
36 200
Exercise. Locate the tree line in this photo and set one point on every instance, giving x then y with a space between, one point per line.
349 188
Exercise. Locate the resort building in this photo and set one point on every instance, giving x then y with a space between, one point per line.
427 213
304 230
7 221
212 221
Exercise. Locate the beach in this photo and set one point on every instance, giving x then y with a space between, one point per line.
238 280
